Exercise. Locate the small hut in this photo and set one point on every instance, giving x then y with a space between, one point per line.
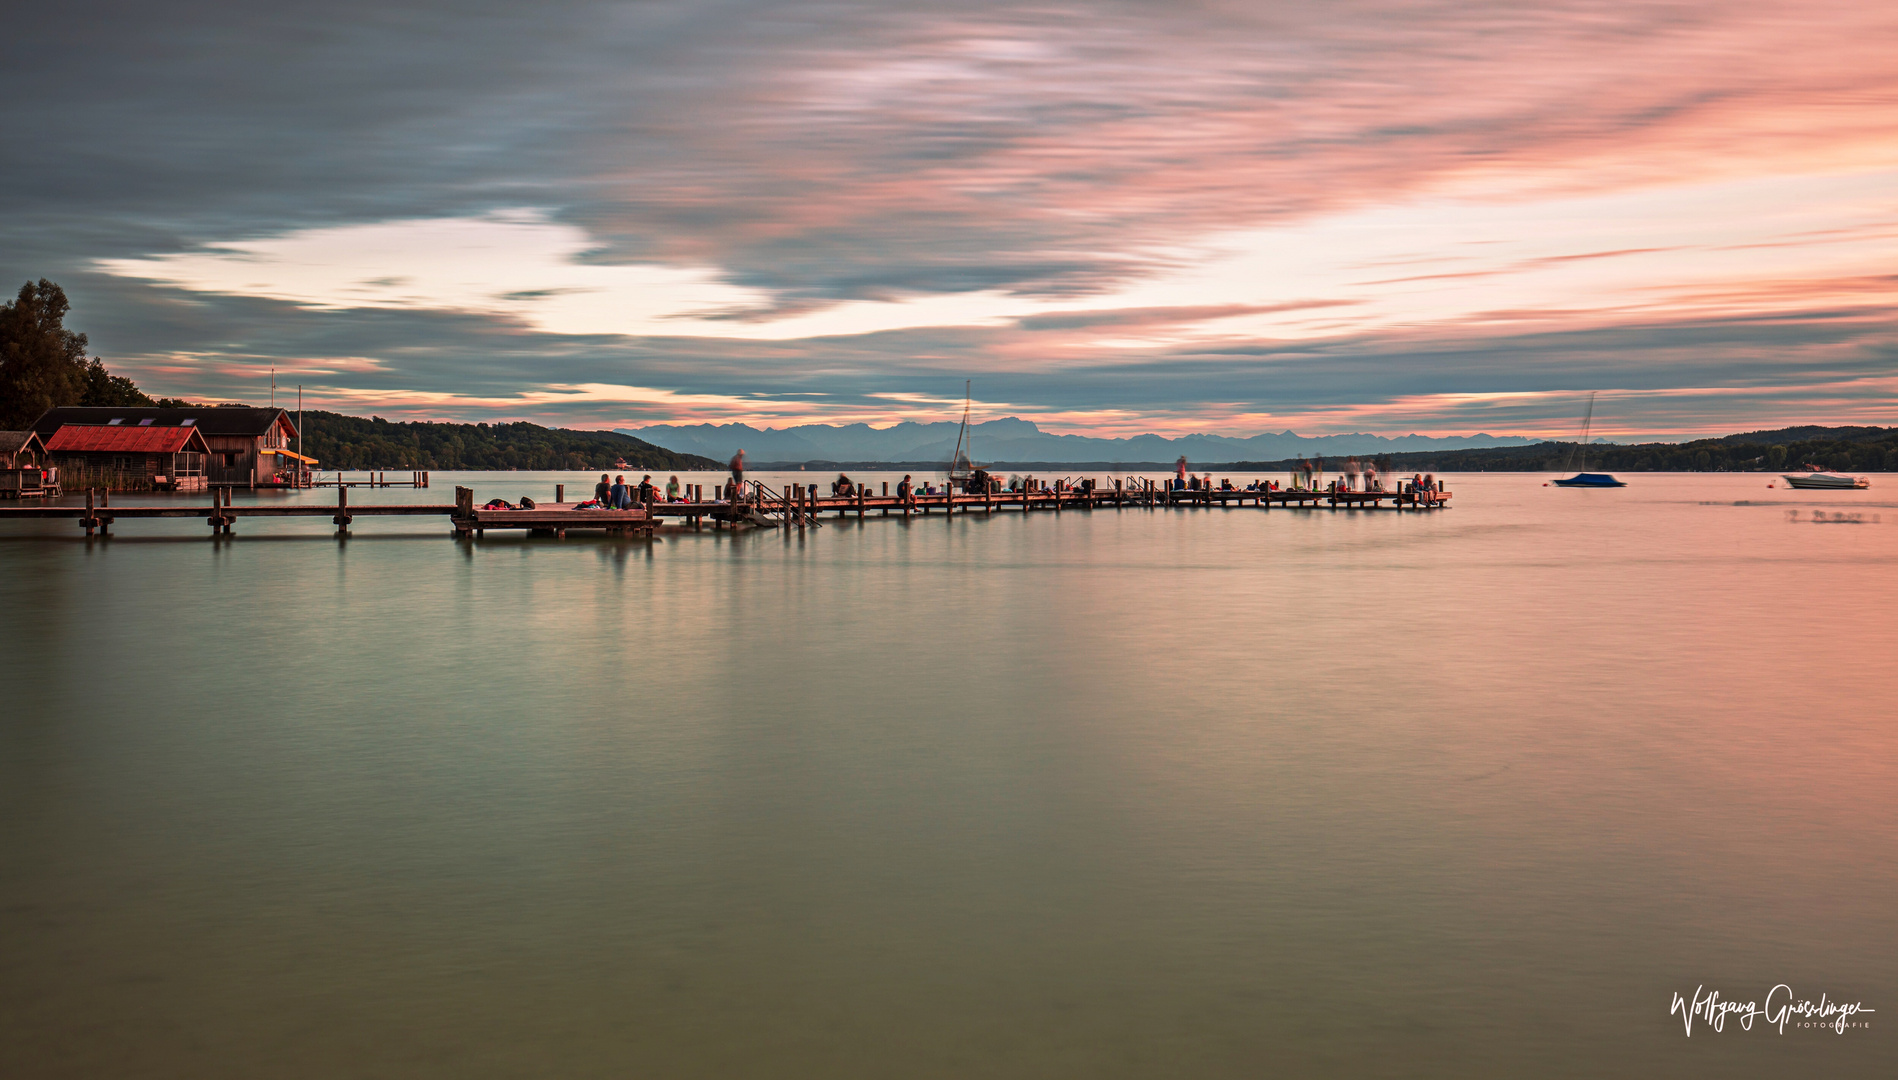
21 458
20 449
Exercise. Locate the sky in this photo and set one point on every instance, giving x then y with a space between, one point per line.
1216 217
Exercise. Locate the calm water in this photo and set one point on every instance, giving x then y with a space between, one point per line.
1120 794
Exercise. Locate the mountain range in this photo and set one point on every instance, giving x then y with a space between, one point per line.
1012 440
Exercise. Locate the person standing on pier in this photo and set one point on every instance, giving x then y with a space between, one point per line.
603 491
738 474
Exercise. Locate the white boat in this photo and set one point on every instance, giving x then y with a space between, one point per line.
964 474
1828 481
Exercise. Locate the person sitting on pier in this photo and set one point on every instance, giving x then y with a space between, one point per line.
903 487
843 487
672 490
647 492
618 497
603 491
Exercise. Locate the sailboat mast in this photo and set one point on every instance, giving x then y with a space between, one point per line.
1588 418
968 438
965 445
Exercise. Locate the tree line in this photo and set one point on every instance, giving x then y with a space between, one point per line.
1840 449
353 442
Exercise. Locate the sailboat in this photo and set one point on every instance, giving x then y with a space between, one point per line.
962 469
1583 478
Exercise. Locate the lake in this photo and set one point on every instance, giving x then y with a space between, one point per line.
1191 793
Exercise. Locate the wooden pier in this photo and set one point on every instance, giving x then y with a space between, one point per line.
372 479
796 508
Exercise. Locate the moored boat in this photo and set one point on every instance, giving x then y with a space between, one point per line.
1828 481
1583 479
1590 479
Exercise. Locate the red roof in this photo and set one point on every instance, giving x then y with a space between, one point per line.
123 439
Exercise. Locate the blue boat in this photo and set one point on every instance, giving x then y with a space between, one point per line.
1590 479
1587 479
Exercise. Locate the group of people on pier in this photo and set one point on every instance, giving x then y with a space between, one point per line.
614 493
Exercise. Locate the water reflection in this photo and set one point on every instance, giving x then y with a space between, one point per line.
1127 792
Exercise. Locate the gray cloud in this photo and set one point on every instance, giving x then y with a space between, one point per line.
824 152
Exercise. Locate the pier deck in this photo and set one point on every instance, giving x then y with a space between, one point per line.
767 508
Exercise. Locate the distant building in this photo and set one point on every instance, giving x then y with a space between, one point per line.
243 446
128 458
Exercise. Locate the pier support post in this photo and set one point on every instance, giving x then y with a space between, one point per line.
342 518
464 513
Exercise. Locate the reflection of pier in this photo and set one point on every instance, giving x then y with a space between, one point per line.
796 507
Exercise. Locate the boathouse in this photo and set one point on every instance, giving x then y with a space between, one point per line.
137 457
244 446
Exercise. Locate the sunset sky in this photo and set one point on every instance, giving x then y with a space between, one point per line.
1115 218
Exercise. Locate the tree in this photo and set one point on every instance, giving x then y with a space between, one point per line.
103 388
42 364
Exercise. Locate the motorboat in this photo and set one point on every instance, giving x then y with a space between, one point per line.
1591 479
1825 481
